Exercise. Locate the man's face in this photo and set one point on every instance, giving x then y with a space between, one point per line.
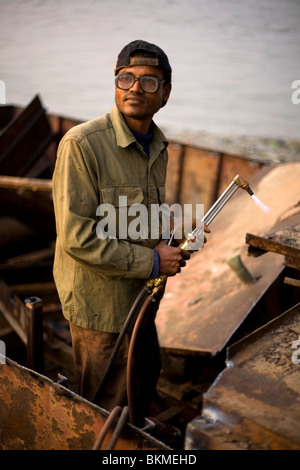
137 104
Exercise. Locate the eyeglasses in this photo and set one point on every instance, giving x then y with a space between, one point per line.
149 84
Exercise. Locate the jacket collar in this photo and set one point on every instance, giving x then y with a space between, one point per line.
125 137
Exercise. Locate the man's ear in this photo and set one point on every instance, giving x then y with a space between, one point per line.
166 93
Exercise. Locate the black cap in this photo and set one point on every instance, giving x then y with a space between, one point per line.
158 57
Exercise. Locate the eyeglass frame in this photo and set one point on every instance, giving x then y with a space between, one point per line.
138 79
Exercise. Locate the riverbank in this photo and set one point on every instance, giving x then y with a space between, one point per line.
256 148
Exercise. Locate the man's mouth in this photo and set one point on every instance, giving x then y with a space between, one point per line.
133 99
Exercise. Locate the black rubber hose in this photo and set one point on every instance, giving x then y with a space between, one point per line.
144 291
129 377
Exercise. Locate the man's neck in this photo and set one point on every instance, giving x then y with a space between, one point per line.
141 126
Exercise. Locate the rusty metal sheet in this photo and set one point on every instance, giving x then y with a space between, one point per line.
255 402
285 242
207 326
205 304
38 414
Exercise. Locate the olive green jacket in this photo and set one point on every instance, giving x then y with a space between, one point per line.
98 161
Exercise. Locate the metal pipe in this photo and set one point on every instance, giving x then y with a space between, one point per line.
34 328
109 422
220 203
121 423
238 182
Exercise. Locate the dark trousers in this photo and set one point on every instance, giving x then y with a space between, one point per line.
92 351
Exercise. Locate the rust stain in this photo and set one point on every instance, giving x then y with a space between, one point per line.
256 398
37 414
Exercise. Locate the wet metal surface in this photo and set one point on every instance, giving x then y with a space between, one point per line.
38 414
255 402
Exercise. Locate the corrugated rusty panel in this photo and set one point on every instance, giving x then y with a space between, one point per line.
173 183
255 402
200 174
38 414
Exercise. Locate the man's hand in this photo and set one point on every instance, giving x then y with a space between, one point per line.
172 259
179 226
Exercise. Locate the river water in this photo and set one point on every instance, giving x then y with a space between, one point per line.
234 61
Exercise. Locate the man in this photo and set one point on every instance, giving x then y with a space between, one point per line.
100 162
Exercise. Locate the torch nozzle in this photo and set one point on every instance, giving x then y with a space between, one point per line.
242 183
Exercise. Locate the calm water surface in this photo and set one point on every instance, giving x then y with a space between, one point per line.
234 61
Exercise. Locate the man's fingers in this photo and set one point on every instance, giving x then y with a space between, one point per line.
185 254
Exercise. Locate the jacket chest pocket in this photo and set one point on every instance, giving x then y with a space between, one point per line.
120 196
126 215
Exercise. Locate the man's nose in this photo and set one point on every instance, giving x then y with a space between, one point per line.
137 87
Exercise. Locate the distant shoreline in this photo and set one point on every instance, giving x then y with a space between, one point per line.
252 147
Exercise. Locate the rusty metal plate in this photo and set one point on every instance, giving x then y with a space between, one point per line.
38 414
255 402
205 304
